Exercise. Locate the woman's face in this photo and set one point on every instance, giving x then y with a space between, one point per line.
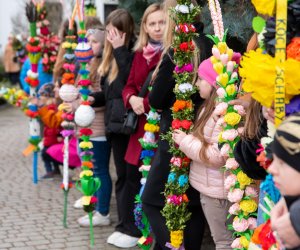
285 177
155 25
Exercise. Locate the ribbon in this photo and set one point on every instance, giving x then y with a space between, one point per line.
280 56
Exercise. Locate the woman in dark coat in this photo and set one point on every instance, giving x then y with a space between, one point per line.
162 98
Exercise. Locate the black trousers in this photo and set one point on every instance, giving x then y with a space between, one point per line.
193 233
127 186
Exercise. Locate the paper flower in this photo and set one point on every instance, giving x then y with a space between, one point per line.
232 118
185 87
183 180
240 225
252 222
231 164
225 150
84 115
86 173
248 206
182 8
171 177
244 242
221 108
235 195
221 92
230 181
251 191
243 179
176 161
234 209
230 134
236 243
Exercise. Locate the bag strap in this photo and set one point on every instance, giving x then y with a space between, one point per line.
146 84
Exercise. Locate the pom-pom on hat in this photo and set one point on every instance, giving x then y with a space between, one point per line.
47 90
286 144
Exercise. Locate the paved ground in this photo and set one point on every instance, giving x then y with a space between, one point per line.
31 215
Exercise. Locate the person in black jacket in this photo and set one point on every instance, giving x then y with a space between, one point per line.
162 98
114 71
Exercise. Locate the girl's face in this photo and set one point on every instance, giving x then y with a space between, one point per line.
285 177
155 25
204 87
96 45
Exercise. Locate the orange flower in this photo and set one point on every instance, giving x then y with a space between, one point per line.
68 76
180 105
87 164
185 198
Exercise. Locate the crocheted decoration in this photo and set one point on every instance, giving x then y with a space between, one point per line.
84 116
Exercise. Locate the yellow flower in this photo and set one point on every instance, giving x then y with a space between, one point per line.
86 144
244 242
230 54
265 7
223 79
86 173
176 238
151 128
218 67
243 179
248 206
232 118
85 200
66 45
213 60
220 138
230 89
222 46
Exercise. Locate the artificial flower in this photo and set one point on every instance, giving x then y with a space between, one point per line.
231 164
232 118
87 173
236 244
225 150
151 128
235 195
221 92
252 222
230 181
240 225
182 8
87 164
218 67
221 108
185 87
176 238
171 177
183 180
244 242
224 59
251 191
186 124
248 206
264 7
223 79
243 179
222 46
231 89
234 209
216 53
85 200
230 134
240 109
85 145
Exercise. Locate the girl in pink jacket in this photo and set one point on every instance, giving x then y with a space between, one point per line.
201 147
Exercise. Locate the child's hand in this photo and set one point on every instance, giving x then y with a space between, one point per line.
116 38
178 136
242 102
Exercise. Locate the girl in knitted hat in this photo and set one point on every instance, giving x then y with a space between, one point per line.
207 160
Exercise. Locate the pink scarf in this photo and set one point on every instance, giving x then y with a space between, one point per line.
151 50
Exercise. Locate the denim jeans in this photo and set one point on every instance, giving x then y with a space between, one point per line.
49 163
101 150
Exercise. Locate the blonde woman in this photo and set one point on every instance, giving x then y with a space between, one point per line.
162 97
114 71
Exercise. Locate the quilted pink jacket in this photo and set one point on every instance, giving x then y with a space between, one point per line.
208 179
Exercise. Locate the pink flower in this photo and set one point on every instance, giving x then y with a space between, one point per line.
225 150
230 181
176 161
240 225
216 52
240 109
234 75
231 163
221 108
230 66
221 92
220 121
235 195
230 134
252 222
234 209
236 243
250 191
224 59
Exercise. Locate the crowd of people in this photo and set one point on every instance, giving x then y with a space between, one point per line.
120 69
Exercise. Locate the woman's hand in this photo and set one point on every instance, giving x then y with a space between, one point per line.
116 38
137 104
178 136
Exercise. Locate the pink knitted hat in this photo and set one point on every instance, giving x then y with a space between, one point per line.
207 72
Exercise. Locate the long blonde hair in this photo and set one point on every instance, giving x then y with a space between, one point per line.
206 110
143 36
123 21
